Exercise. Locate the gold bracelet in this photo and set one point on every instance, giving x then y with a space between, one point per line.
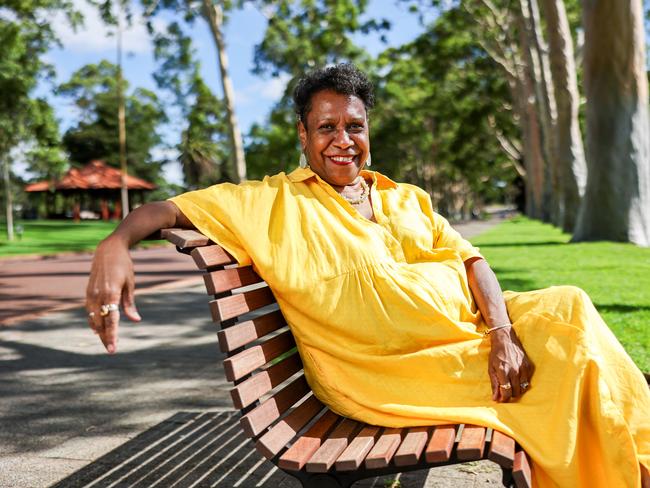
487 332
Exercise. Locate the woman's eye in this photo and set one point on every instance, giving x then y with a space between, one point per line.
326 127
355 127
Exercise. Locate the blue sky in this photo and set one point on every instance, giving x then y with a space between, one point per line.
254 96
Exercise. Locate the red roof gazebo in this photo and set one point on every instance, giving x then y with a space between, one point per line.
96 187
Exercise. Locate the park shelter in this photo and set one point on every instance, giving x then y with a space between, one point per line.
92 190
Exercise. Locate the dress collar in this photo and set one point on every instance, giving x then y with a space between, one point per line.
382 182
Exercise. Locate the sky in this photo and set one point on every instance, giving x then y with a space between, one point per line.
254 96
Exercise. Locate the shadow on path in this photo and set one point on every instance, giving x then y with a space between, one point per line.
196 449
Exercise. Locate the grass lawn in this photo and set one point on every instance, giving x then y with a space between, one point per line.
527 255
54 236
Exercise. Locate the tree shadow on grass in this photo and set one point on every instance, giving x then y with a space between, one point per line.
521 244
620 307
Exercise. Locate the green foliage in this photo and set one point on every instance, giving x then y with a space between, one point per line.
44 237
273 147
310 33
204 145
45 158
25 36
93 88
438 98
528 255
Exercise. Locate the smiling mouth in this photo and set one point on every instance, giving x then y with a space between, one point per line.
342 160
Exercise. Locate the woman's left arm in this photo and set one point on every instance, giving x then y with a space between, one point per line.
508 363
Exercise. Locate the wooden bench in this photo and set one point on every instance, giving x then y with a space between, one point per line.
290 427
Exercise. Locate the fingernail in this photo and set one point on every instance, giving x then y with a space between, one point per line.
110 348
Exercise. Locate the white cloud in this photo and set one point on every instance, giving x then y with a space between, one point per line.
271 89
95 36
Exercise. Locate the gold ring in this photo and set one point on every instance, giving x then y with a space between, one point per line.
507 386
91 314
107 308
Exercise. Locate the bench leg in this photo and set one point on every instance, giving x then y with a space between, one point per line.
322 481
506 478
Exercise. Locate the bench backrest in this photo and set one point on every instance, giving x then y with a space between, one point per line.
262 361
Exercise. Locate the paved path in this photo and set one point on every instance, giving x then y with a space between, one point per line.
67 408
33 286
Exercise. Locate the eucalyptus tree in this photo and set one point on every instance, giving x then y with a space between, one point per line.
26 35
214 13
616 205
204 139
571 164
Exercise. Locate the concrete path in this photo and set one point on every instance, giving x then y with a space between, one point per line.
160 406
32 286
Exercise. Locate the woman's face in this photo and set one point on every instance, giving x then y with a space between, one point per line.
335 140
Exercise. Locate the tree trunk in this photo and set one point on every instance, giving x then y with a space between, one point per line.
537 57
532 138
571 165
9 207
214 15
616 205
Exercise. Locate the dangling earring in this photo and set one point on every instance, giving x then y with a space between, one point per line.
369 160
302 162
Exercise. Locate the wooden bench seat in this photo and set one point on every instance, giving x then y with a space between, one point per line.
288 424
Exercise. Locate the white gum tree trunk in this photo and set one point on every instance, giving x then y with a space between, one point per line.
571 165
214 15
616 205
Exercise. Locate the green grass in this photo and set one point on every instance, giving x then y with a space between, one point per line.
54 236
528 255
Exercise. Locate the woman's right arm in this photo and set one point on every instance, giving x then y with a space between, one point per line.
111 278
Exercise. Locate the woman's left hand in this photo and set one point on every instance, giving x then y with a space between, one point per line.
509 368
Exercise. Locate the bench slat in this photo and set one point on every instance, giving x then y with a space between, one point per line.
353 456
265 414
211 256
252 358
326 455
302 450
230 307
271 443
184 238
239 335
502 449
472 443
521 471
261 383
383 450
228 279
410 450
441 444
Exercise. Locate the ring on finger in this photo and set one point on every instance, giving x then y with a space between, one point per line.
525 385
505 386
107 308
91 314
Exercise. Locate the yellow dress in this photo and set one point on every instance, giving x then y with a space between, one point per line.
389 333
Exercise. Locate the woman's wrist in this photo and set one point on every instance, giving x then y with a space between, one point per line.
499 334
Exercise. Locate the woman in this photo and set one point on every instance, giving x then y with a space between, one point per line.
396 317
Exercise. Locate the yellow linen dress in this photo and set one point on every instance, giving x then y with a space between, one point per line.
389 333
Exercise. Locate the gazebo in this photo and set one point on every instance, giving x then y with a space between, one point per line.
95 188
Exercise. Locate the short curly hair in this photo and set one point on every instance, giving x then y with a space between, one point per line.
344 78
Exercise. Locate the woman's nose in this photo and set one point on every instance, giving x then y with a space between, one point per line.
342 139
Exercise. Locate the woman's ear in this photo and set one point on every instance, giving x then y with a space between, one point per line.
302 134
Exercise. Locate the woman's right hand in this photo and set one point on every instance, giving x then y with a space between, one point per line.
111 281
